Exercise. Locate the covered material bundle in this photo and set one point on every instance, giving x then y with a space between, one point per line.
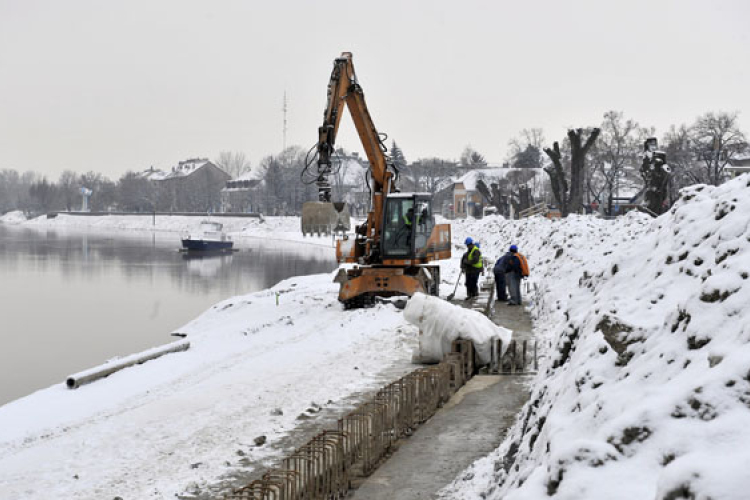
440 323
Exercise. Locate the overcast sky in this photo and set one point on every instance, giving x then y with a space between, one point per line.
113 86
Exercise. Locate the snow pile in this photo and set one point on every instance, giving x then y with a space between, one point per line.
646 393
15 217
175 425
440 323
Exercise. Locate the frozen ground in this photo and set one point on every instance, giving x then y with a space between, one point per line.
181 423
646 393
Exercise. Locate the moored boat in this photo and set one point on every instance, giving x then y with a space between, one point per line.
210 237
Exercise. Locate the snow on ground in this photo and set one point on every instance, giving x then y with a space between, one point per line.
274 228
140 432
646 389
15 217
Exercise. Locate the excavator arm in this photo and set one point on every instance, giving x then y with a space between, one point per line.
393 248
343 90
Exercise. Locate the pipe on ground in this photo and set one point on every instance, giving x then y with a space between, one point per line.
92 374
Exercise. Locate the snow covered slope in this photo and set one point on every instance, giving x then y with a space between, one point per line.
646 393
178 423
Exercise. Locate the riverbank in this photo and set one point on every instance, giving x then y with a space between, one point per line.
272 228
645 375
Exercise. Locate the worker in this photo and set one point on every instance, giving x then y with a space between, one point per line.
471 263
499 272
408 218
423 217
405 228
513 276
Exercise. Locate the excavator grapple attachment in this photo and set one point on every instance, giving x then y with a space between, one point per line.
325 218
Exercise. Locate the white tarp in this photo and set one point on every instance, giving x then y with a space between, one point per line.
440 323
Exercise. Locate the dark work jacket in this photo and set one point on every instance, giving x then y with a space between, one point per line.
500 264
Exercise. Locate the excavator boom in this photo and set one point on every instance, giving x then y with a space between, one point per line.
393 247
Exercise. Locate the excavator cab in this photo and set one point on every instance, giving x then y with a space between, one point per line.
407 226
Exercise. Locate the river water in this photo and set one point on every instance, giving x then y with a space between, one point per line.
70 300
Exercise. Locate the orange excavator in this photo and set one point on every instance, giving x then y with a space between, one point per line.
392 250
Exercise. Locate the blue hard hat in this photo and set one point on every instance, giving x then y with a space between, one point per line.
476 244
468 241
513 248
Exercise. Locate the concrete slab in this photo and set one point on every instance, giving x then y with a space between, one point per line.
468 427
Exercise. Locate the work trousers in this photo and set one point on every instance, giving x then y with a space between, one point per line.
472 278
500 286
514 287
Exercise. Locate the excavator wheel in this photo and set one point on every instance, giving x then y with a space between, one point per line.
360 302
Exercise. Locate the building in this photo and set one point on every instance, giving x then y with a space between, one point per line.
241 195
193 185
738 165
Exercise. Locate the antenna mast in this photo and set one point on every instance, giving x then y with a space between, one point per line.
284 109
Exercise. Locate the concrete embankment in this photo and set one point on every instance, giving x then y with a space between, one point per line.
469 426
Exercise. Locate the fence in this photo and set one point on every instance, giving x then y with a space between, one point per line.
539 209
324 467
519 357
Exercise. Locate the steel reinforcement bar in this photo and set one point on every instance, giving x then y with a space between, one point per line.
324 467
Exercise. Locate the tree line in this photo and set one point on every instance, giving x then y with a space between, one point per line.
591 166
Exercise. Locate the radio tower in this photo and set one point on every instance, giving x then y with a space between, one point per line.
284 110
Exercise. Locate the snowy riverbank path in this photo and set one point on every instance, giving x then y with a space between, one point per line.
468 427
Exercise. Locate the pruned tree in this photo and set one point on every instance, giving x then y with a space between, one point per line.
233 163
655 173
569 194
716 139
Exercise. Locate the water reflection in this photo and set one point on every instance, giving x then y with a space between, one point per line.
71 299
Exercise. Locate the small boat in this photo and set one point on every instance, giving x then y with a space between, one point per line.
209 238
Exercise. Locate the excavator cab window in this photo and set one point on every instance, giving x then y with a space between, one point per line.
408 225
398 230
425 223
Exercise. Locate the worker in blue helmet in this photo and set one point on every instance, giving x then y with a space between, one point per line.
471 264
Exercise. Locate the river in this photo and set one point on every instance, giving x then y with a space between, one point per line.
71 299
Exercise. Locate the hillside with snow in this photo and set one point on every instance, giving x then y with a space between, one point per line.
646 389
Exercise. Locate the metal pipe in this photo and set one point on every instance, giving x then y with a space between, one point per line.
87 376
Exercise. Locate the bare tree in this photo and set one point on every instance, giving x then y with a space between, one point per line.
68 185
716 139
427 174
685 168
615 156
525 151
569 195
136 193
470 157
233 163
44 195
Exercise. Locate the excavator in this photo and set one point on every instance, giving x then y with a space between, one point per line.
392 250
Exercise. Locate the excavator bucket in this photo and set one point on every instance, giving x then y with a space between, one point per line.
325 218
